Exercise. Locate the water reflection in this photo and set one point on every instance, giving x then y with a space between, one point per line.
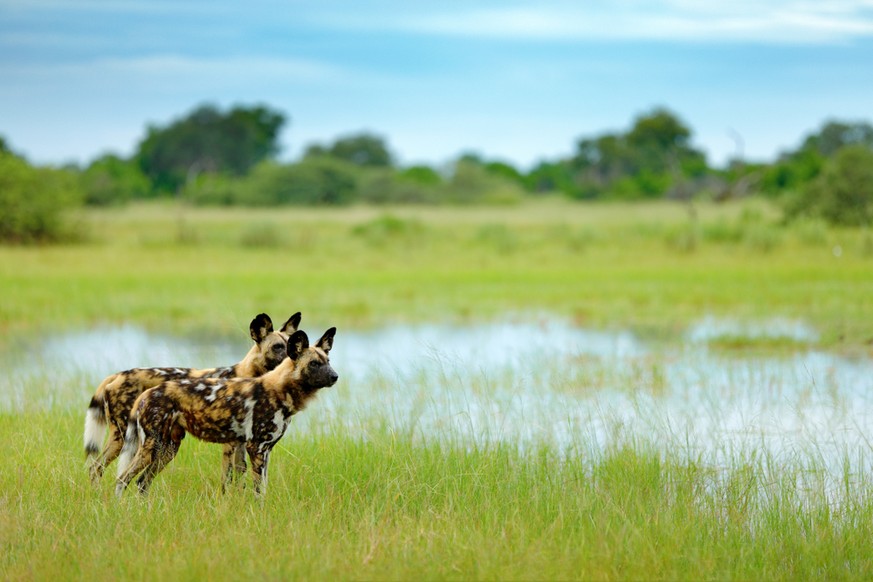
522 381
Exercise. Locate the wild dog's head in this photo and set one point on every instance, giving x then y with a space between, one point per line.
271 346
312 362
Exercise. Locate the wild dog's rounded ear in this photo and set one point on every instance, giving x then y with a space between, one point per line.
326 341
297 344
292 324
260 326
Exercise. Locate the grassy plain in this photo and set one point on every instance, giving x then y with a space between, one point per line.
365 499
365 503
643 267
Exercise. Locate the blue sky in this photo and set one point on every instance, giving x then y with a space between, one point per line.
517 81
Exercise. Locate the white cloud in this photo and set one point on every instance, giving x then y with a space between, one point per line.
677 20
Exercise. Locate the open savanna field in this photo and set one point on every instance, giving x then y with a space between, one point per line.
643 267
558 461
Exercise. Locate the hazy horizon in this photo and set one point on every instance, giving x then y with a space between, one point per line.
515 81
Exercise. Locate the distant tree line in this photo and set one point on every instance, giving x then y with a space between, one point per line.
214 157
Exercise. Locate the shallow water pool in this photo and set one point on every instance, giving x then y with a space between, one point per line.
522 381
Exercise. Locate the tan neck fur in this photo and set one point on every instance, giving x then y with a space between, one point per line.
282 376
251 366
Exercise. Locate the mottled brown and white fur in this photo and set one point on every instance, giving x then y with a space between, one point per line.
113 401
249 412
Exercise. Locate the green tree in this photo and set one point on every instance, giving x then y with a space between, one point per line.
209 141
834 135
792 172
659 142
33 200
795 170
653 159
361 150
548 177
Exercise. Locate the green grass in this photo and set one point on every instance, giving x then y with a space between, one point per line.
371 504
211 270
377 498
758 345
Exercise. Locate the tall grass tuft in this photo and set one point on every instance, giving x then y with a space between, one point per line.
261 235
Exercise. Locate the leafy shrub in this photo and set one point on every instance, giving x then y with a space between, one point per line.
843 192
387 187
312 181
422 175
272 184
472 183
112 180
212 189
388 228
33 201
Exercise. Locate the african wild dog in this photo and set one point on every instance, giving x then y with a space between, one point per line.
115 396
250 412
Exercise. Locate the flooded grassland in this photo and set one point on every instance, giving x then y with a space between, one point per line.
545 392
528 380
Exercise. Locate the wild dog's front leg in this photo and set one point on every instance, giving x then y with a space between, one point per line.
239 460
259 455
233 463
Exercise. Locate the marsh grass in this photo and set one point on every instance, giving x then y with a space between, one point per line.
603 265
759 345
366 502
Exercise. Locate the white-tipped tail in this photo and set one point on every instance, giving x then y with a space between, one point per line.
131 444
95 431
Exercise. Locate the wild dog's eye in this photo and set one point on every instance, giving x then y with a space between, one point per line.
278 347
314 363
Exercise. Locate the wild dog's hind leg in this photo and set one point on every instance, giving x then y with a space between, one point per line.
233 463
164 453
144 457
110 452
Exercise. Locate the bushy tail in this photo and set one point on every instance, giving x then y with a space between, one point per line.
131 444
95 421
